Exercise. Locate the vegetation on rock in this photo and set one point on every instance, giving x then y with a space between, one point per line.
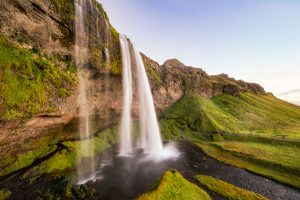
173 186
26 154
228 190
66 158
31 82
4 194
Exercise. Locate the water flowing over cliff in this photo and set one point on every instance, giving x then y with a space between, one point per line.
126 123
85 115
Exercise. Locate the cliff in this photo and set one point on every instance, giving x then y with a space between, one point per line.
173 79
38 74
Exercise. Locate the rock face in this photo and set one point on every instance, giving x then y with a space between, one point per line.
173 79
48 26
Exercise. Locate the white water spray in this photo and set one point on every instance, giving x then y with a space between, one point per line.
125 129
85 161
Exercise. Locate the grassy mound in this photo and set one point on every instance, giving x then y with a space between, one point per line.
173 186
228 190
247 113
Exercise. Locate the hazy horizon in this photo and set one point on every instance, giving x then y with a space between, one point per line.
256 41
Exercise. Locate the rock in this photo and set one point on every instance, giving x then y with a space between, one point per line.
47 27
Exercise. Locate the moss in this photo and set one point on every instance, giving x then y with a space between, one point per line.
115 69
4 194
30 151
96 57
173 186
66 11
29 82
116 59
115 53
26 159
228 190
218 138
153 74
101 9
66 159
63 92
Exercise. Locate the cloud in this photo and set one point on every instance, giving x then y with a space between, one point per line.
292 96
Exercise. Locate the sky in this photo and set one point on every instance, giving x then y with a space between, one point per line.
253 40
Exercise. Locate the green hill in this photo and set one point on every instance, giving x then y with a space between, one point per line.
256 132
248 114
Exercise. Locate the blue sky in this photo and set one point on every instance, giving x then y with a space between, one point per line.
254 40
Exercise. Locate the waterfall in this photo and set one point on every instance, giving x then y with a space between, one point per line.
85 152
125 128
150 139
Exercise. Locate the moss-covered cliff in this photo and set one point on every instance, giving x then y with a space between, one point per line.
45 32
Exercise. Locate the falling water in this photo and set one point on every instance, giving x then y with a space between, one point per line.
86 165
150 135
150 139
125 129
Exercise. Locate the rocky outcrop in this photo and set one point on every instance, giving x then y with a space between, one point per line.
173 79
47 27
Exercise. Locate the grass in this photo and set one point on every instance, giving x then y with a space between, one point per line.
66 159
4 194
286 156
262 114
268 169
34 149
173 186
177 130
256 132
30 82
200 114
248 113
26 159
228 190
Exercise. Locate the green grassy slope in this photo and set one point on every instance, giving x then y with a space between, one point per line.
259 133
247 113
173 186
